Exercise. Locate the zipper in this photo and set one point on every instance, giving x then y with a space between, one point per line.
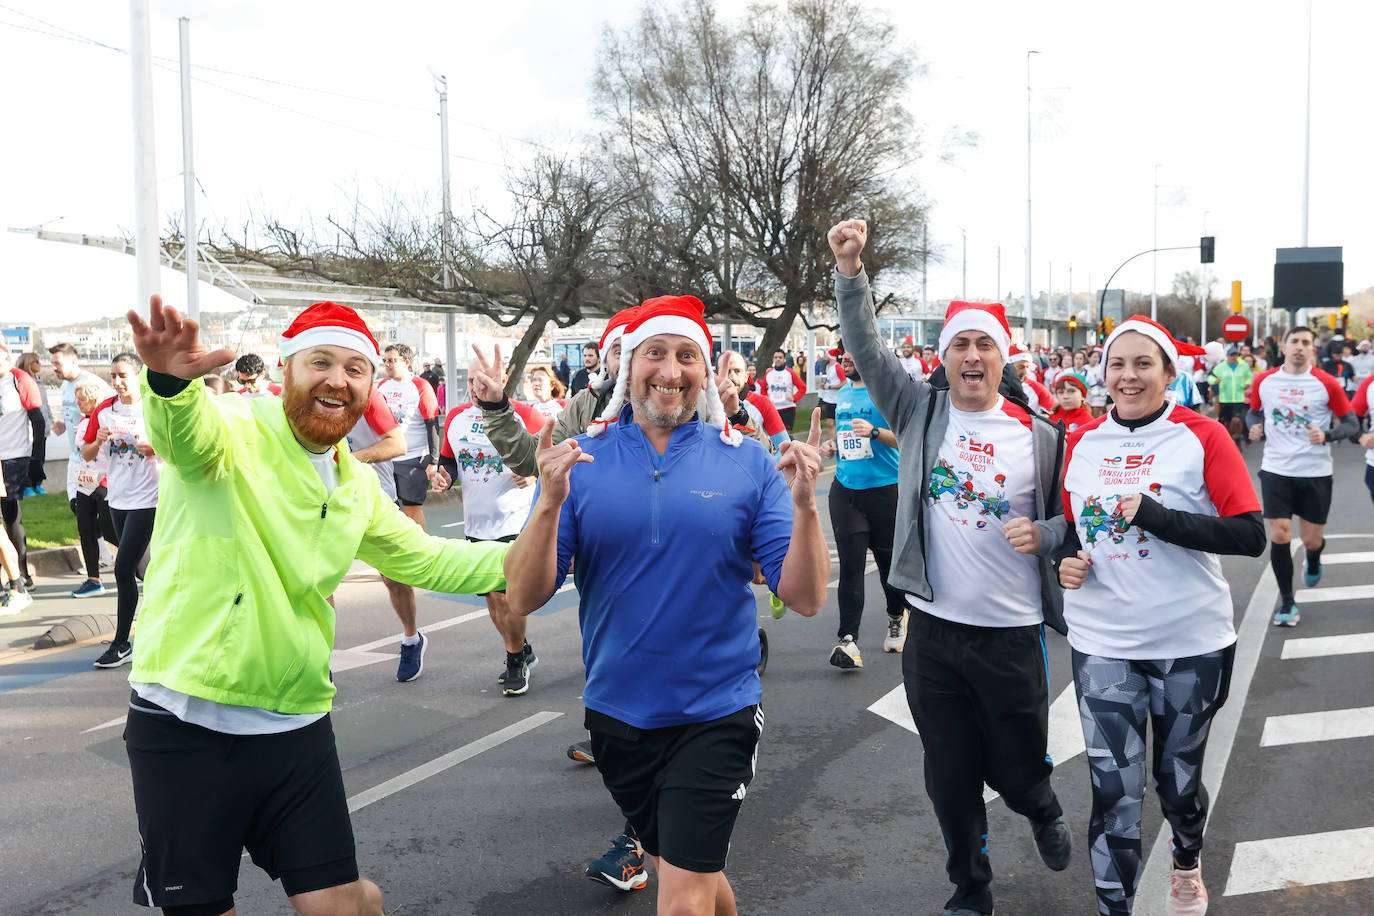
653 534
324 509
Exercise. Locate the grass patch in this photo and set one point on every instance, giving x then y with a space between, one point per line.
48 521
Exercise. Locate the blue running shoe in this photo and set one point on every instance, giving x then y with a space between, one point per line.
1310 577
1286 614
412 660
88 589
621 867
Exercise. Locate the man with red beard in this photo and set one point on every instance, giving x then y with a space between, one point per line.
265 508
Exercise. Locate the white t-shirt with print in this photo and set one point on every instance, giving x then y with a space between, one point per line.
132 477
1290 402
493 505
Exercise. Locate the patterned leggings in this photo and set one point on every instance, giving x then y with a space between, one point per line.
1116 697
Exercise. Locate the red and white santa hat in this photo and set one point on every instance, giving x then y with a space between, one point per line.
684 316
328 324
614 329
988 317
1017 354
1140 324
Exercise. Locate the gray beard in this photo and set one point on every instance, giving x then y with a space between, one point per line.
643 410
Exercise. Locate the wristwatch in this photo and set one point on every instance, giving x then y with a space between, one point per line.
873 433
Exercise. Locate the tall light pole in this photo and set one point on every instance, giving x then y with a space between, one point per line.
963 286
145 162
450 323
1307 130
1154 258
1030 311
1205 271
188 174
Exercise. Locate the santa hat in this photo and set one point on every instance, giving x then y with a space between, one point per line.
1074 379
1151 329
684 316
328 324
1017 354
835 352
988 317
614 329
909 340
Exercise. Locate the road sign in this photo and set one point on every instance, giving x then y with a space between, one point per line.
1236 327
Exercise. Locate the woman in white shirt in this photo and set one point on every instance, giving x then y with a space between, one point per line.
1153 492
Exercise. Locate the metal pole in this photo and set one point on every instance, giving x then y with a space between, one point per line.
998 290
1203 339
925 256
146 246
1307 130
1049 306
1154 259
451 393
1030 310
191 232
963 286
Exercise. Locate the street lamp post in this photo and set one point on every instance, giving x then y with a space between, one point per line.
1030 311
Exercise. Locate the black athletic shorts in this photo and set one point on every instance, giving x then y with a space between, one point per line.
16 473
872 511
827 410
788 415
501 540
412 486
680 787
1227 410
203 797
1309 498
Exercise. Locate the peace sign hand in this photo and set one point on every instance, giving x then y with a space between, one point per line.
556 462
801 464
485 374
170 344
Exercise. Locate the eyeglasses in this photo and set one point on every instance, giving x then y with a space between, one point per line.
392 359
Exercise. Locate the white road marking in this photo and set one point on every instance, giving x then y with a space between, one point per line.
119 720
1314 646
1329 725
835 583
448 761
1065 737
1344 559
452 525
427 628
1334 593
348 659
1299 861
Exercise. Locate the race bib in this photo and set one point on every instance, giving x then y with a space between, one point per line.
88 478
852 447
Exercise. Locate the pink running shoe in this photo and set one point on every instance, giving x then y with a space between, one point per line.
1187 894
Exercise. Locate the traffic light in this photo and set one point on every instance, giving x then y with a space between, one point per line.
1345 314
1209 249
1236 306
1111 323
1332 321
1073 322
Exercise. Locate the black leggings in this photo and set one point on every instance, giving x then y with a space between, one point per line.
135 528
93 522
863 520
14 524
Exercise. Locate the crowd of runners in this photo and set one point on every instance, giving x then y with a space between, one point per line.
998 492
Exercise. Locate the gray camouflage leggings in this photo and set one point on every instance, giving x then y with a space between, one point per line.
1116 697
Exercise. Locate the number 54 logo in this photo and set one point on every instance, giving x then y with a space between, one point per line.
1139 461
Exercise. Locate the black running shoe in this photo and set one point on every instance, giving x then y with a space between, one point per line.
119 653
517 679
1055 843
530 661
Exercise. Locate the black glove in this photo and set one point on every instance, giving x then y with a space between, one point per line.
36 473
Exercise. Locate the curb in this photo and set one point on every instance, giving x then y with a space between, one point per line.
76 629
55 561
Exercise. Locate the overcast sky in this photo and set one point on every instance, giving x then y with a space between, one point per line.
1211 92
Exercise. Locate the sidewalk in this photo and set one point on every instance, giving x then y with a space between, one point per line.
91 619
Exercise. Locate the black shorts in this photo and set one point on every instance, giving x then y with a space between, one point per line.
412 486
872 511
1309 498
203 797
16 473
788 415
501 540
827 410
680 787
1228 410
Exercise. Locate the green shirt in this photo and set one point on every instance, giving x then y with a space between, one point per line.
1231 381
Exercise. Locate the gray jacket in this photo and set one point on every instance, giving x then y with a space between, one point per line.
918 413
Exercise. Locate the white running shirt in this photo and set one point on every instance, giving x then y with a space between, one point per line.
1290 402
493 505
132 478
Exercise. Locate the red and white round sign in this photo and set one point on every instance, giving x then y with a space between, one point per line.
1237 327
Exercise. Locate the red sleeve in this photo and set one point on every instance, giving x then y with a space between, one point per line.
243 390
446 450
1047 400
839 370
1335 394
429 404
772 420
925 367
799 385
378 415
534 420
1223 469
1361 403
1256 402
274 388
29 394
94 426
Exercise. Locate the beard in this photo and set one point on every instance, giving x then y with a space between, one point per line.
645 410
852 374
299 405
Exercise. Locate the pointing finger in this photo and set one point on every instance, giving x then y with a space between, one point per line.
813 439
546 434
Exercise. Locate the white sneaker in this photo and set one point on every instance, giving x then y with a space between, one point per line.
846 655
14 601
896 633
1187 894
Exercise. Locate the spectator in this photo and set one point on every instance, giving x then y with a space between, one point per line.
591 362
564 370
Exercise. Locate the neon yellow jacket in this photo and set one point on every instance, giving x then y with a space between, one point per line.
247 547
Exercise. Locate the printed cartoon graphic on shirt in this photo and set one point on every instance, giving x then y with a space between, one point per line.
1288 418
960 487
482 464
1097 522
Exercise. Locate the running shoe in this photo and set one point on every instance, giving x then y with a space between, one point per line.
581 752
896 633
1312 578
88 589
412 659
1054 841
776 607
517 675
846 655
530 661
763 651
1187 894
621 867
28 582
960 911
1286 613
119 653
13 601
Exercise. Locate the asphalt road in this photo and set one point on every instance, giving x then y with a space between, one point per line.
465 803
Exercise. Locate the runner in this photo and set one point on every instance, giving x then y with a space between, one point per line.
1231 377
1299 410
254 381
23 447
930 358
1360 407
974 469
678 758
831 381
785 388
863 513
496 502
1053 370
1037 395
13 596
546 391
88 491
912 363
1097 386
66 365
1070 393
761 412
1153 493
232 691
116 429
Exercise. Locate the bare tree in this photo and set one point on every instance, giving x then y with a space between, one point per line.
755 138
